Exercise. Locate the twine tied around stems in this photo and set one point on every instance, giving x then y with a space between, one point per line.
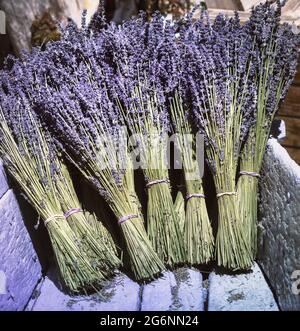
54 218
157 181
250 173
219 195
72 211
127 218
195 195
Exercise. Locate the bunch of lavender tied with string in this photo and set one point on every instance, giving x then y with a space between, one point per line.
72 97
28 155
140 86
199 239
149 124
218 70
275 58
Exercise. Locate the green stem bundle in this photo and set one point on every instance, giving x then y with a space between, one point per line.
29 171
199 241
162 220
180 210
232 249
255 146
94 243
101 232
122 199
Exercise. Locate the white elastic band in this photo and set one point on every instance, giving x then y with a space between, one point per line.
219 195
250 173
72 212
158 181
195 195
53 218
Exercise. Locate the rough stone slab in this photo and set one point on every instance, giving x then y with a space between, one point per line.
245 292
178 291
189 294
19 266
120 294
279 227
157 295
3 181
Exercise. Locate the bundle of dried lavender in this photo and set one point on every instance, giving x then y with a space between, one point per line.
83 261
275 57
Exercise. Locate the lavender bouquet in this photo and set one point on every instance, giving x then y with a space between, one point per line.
217 60
275 58
166 69
73 99
31 162
96 241
139 83
199 239
149 124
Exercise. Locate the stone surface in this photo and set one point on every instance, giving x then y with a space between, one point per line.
188 295
3 181
178 291
19 265
245 292
157 295
279 227
120 294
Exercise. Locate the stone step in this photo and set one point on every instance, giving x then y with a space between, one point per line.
20 269
120 294
180 290
244 292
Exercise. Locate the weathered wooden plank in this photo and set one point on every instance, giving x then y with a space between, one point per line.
224 4
244 16
297 77
294 153
248 4
279 231
291 105
292 8
20 269
3 180
292 131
